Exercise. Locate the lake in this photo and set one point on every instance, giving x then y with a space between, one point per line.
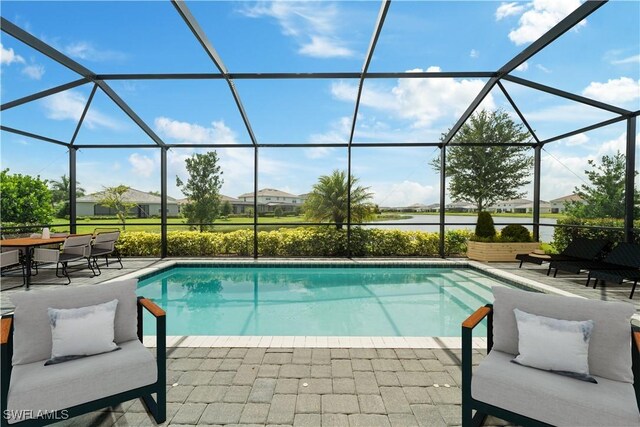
416 223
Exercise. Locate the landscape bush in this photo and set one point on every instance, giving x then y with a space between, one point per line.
484 227
515 233
291 242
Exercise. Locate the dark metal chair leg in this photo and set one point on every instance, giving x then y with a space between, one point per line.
555 273
549 270
521 261
633 289
596 283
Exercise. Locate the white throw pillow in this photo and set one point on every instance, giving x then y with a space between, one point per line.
80 332
560 346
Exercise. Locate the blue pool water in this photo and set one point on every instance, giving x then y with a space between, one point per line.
369 301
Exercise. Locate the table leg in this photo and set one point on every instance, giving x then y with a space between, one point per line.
27 279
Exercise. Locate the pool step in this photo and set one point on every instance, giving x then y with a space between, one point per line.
482 284
470 285
462 296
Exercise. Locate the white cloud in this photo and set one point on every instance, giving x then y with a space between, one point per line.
508 9
421 101
69 105
313 25
577 140
87 51
614 91
191 133
540 17
142 165
324 47
634 59
33 71
474 54
9 56
523 67
403 194
543 68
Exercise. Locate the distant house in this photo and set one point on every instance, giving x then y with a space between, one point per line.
518 206
146 205
459 206
558 205
269 199
420 207
237 205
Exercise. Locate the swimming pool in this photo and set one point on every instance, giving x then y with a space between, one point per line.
318 301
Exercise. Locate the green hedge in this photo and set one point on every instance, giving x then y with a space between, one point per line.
563 235
301 241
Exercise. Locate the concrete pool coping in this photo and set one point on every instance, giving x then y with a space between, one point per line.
213 341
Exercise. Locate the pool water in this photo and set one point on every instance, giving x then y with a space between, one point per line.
317 301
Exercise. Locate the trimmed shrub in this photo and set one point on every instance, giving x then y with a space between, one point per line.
515 233
484 227
291 242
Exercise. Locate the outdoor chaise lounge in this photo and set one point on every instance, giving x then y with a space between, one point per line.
579 249
53 392
600 340
625 257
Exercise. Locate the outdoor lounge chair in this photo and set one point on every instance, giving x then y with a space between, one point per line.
624 256
579 249
59 391
629 268
104 244
74 248
529 396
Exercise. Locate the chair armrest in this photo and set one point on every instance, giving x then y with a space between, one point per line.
151 307
6 354
473 320
161 335
5 330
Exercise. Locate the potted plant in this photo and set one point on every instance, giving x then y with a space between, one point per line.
489 246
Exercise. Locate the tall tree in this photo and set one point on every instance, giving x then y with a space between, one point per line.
483 174
603 197
328 200
25 199
202 188
60 194
227 209
114 198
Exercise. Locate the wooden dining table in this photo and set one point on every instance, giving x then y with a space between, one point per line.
27 243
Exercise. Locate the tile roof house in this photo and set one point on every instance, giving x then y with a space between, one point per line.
146 204
558 205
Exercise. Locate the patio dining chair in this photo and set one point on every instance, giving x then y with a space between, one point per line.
104 244
74 248
11 258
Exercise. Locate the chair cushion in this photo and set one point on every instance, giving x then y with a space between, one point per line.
32 332
37 387
610 346
552 398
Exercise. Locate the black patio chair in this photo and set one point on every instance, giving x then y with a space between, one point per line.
579 249
623 262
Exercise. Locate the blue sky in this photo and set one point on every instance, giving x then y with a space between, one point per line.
599 59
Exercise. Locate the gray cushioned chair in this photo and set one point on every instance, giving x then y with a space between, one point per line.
29 388
529 396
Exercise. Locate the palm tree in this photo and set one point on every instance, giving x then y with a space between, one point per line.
328 200
60 189
60 195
